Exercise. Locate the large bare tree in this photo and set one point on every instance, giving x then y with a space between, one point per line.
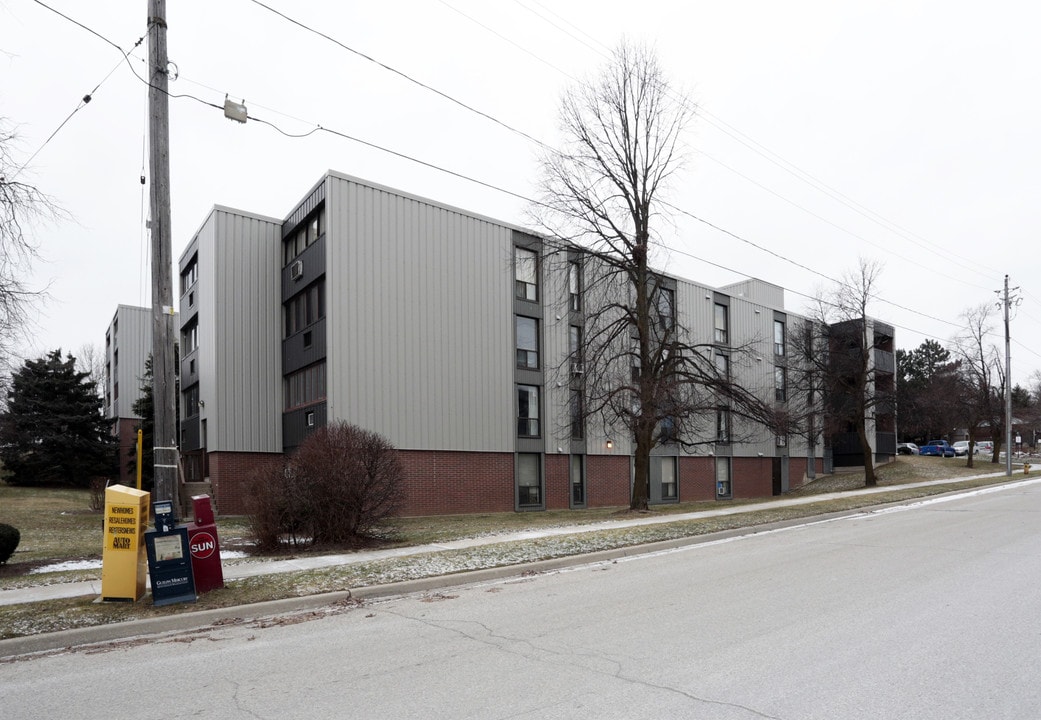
21 206
602 192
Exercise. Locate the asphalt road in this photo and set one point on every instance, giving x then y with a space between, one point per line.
931 611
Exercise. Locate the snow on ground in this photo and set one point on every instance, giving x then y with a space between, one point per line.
96 564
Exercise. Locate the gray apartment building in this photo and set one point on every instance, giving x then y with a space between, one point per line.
450 334
128 343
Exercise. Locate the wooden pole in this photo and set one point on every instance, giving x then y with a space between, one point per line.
164 386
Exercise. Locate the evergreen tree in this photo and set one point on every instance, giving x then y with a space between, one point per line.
144 408
54 431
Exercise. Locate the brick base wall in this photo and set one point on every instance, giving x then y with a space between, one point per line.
752 477
450 483
797 469
231 477
697 479
447 483
558 482
607 481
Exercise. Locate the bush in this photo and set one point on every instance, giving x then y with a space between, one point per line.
9 539
340 485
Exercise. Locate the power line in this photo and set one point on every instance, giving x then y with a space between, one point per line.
397 72
565 74
491 186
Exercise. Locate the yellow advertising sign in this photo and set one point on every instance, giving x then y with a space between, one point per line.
124 563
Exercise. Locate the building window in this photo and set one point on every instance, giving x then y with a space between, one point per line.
578 480
305 386
780 384
669 487
306 235
190 274
191 401
529 480
527 331
724 486
721 323
190 338
722 425
665 307
667 432
778 338
575 349
527 273
577 421
574 285
527 411
723 365
306 308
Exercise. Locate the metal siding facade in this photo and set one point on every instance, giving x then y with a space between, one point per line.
554 353
130 333
419 318
240 335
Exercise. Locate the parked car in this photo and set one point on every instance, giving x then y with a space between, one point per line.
962 448
985 446
939 448
906 449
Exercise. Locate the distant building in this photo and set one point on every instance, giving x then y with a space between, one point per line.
450 334
128 344
881 390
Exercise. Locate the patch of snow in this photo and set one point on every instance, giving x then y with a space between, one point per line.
96 564
67 565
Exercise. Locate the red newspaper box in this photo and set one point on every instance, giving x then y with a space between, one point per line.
204 546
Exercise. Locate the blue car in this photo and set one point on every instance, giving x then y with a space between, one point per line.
940 448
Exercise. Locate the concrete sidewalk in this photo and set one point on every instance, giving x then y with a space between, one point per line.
247 569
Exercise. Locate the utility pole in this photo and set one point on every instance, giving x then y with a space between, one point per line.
1008 388
164 387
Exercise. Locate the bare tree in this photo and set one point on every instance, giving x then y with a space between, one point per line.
21 205
855 390
91 360
602 192
981 374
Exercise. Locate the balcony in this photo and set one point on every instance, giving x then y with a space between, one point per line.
885 361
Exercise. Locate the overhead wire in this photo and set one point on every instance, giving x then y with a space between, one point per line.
346 136
755 146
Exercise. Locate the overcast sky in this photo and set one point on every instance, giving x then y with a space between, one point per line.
901 131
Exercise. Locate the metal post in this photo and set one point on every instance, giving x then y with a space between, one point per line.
1008 390
164 387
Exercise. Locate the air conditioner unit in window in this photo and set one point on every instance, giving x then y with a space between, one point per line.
296 270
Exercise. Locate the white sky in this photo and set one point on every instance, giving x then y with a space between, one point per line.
918 117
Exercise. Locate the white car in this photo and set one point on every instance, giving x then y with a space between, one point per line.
961 447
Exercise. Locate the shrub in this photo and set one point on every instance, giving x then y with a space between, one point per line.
278 510
9 539
342 482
